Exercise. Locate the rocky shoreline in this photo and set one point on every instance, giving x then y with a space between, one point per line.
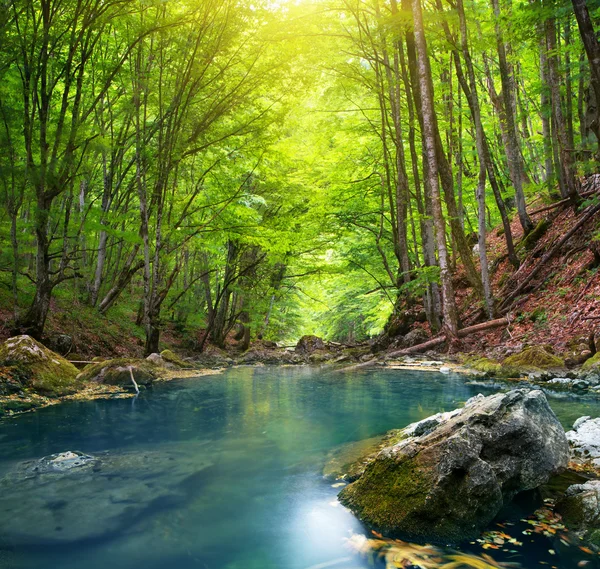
27 367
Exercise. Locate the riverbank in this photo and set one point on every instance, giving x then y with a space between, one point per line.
21 390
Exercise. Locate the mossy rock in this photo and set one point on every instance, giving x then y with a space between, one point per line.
116 372
533 358
484 365
592 363
593 538
173 358
391 501
39 368
349 460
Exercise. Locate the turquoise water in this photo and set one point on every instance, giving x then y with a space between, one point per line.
220 472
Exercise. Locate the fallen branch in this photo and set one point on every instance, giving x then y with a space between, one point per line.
550 254
551 206
434 342
135 385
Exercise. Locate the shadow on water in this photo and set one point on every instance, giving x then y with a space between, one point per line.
225 472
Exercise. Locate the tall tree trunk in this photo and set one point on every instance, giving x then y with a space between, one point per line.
569 185
513 149
432 299
34 320
545 116
450 323
473 100
592 50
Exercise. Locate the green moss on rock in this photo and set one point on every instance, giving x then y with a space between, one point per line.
534 358
116 372
173 358
484 365
592 363
388 502
39 368
534 235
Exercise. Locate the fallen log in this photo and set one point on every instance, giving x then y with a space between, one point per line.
442 338
490 324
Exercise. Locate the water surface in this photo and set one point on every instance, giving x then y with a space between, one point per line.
246 452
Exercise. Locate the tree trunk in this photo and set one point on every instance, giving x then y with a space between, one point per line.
473 100
450 323
513 149
569 185
592 50
34 319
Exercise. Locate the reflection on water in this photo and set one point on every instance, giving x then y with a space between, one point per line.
229 471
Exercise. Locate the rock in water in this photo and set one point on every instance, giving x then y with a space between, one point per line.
446 477
72 497
585 440
580 508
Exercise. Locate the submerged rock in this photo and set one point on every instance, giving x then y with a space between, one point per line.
580 508
74 497
449 475
584 439
37 367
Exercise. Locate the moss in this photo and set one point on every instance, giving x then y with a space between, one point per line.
592 363
484 365
533 358
38 368
173 358
593 538
534 235
389 493
116 372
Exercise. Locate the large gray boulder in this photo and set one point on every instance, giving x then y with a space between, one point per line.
446 477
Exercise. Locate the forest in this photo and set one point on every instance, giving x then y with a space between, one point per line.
274 168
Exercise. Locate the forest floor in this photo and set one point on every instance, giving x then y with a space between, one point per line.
560 307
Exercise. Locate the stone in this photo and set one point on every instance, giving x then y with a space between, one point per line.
116 372
172 358
584 439
309 344
39 368
156 359
580 509
414 337
446 477
72 497
534 358
60 343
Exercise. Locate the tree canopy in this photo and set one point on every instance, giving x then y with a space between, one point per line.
273 168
